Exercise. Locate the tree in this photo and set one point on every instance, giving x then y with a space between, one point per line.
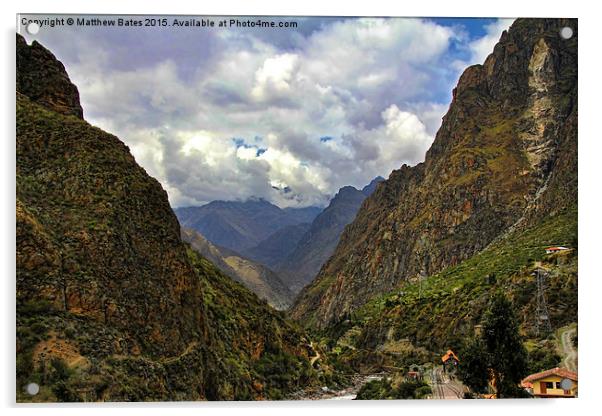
474 367
498 352
506 354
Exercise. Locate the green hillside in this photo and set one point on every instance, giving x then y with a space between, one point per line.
424 318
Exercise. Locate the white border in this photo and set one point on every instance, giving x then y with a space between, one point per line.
589 184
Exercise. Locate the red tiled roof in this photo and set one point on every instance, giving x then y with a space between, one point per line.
560 372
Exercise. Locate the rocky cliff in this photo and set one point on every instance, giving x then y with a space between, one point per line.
42 78
504 157
111 304
96 234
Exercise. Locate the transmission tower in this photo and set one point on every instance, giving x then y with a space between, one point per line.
542 317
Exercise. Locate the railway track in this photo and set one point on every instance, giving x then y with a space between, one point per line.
444 390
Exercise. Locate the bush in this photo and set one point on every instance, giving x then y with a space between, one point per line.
383 389
61 372
375 390
543 357
64 393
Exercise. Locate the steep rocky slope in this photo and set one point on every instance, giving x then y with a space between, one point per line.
111 304
504 157
319 242
257 278
241 225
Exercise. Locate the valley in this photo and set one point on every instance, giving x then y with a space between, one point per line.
470 256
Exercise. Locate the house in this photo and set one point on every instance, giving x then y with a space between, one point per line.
556 382
553 250
414 372
413 375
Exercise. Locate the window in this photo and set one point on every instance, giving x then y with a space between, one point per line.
549 384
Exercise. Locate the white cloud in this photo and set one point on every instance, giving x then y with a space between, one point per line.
275 76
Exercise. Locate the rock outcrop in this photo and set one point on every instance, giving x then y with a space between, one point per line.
43 79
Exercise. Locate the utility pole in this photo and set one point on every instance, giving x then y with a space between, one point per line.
542 317
421 277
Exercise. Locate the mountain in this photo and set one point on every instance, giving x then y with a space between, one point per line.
111 304
242 225
319 242
278 245
257 278
504 161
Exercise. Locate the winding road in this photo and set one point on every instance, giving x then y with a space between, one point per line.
568 350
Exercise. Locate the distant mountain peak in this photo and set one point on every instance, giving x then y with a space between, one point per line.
371 187
241 225
319 242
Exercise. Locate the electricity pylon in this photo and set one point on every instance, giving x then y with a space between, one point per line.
542 317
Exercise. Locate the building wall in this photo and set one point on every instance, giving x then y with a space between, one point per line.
556 391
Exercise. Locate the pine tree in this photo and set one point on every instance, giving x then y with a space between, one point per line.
506 354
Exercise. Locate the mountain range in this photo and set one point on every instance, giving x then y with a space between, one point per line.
293 242
318 243
241 225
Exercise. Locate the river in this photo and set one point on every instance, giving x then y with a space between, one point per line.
348 393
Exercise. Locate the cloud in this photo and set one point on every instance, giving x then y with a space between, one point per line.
287 115
273 79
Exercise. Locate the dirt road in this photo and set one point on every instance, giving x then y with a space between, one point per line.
315 357
568 350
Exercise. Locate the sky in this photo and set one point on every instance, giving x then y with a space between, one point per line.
286 114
